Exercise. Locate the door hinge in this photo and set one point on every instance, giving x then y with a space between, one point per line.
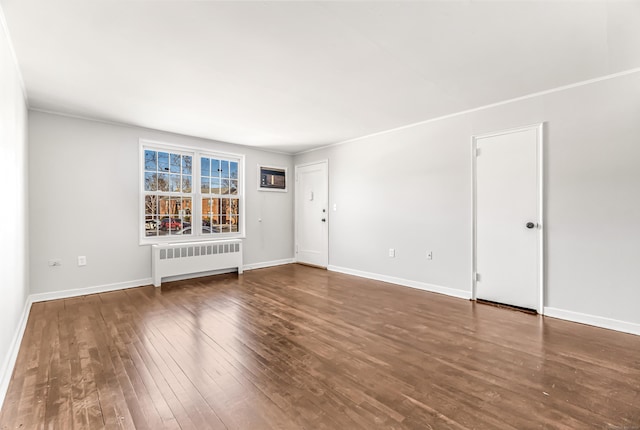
477 152
296 248
477 277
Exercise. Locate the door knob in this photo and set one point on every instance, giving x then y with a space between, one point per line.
530 225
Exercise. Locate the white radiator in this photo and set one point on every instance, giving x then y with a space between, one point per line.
187 258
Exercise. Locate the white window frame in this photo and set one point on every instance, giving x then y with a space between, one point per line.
196 194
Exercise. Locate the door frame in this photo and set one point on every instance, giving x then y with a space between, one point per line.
540 129
295 207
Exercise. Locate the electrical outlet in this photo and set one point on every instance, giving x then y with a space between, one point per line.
55 262
82 260
392 252
429 255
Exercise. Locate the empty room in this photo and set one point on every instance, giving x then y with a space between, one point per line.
320 214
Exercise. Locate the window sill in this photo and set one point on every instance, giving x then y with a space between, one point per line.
188 240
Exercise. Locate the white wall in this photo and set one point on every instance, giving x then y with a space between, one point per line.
84 201
411 190
14 283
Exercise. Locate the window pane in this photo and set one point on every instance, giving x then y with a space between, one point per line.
174 185
233 187
186 165
224 169
233 223
215 186
204 185
206 206
150 181
224 186
186 184
165 223
186 223
175 204
163 206
163 182
174 225
150 160
225 206
186 210
163 161
215 167
151 225
204 167
215 211
150 205
175 163
233 209
234 169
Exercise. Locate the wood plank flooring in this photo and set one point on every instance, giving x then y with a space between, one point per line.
295 347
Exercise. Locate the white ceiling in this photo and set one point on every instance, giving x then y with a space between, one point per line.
290 76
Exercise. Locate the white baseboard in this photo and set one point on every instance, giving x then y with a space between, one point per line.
265 264
10 360
65 294
404 282
594 320
7 367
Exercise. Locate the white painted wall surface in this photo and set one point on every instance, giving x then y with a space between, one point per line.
14 284
84 201
411 190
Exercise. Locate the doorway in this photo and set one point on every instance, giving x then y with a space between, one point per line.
508 227
312 214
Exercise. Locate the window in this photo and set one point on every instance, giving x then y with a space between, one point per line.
189 194
220 199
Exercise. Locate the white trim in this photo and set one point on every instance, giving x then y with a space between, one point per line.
76 292
480 108
542 243
9 364
539 129
432 288
266 264
12 355
5 30
593 320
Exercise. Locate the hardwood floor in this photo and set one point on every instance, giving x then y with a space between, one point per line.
297 347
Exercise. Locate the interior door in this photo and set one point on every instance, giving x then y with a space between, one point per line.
508 210
312 238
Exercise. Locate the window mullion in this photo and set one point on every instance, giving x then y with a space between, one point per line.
197 204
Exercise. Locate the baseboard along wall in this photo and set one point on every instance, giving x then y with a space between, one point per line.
10 360
462 294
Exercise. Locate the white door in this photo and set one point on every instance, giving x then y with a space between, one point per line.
508 259
312 232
